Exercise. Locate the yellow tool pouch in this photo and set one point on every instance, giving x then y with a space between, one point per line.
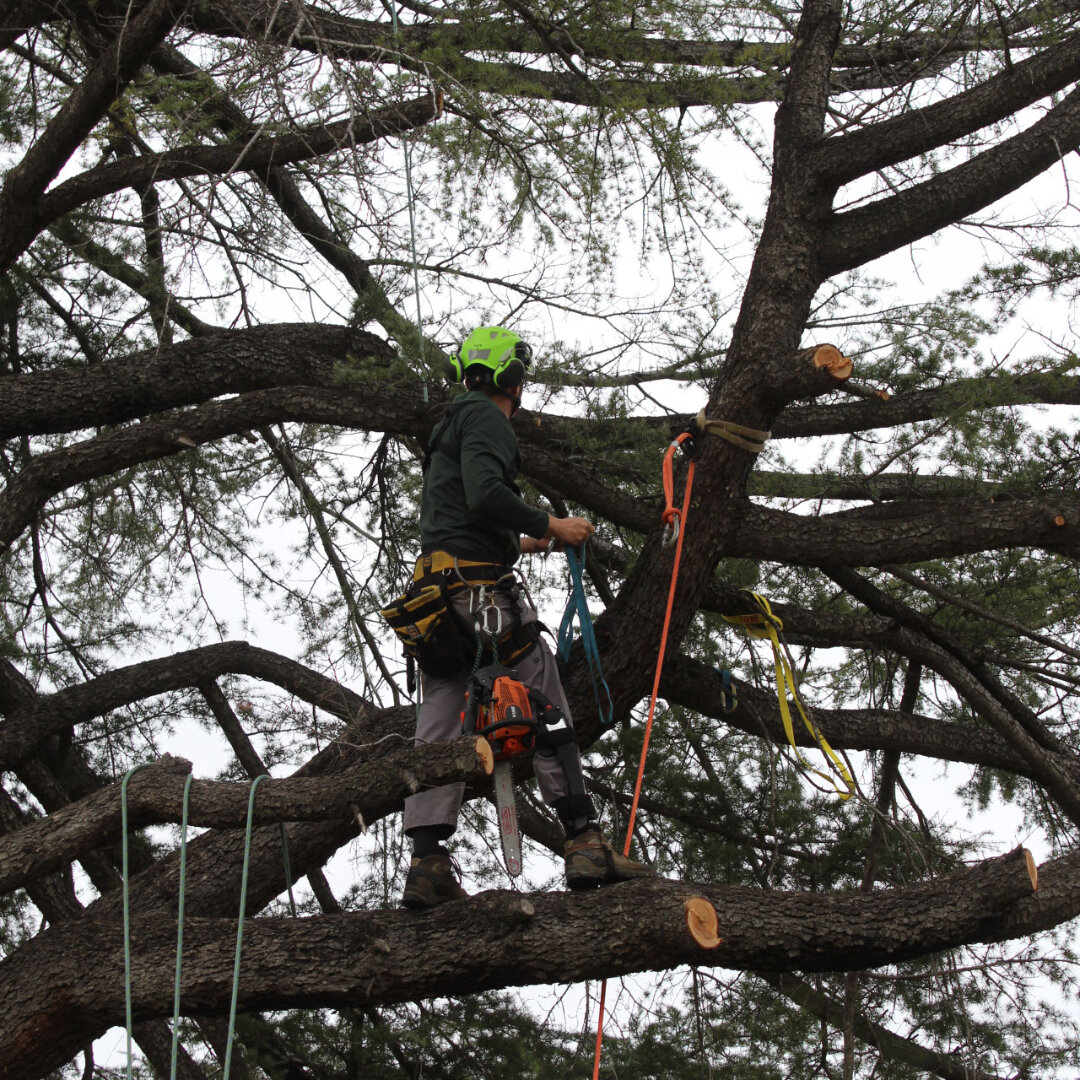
429 631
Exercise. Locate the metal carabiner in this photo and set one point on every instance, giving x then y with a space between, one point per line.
493 615
476 596
489 619
671 531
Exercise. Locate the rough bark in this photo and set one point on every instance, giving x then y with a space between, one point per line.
156 795
187 373
398 956
104 82
29 719
64 985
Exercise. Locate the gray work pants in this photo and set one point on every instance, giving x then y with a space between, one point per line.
444 699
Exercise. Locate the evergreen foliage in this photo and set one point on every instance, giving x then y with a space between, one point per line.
215 398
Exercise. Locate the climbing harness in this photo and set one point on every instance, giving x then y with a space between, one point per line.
434 637
763 624
487 619
577 605
181 888
517 721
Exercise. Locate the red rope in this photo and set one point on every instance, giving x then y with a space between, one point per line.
675 519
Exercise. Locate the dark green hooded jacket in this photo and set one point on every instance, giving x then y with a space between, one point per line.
470 505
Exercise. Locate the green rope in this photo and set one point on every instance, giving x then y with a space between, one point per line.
240 926
182 886
479 653
125 864
180 928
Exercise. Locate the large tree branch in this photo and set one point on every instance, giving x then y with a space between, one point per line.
918 131
156 795
891 533
644 58
317 30
904 532
29 720
257 156
55 897
21 195
102 84
857 236
393 956
894 532
187 373
19 16
696 686
51 473
959 396
874 487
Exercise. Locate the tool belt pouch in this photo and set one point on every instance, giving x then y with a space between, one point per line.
429 631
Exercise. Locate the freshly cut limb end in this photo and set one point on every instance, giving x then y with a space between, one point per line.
834 361
702 922
486 755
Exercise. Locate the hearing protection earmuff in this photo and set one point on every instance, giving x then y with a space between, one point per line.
499 351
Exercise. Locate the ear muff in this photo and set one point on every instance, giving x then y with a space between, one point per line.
452 368
511 372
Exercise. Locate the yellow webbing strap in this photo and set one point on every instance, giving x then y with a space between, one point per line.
749 439
764 624
435 562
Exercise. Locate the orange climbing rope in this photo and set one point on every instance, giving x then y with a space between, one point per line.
674 530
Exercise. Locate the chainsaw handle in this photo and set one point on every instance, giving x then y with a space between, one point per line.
468 714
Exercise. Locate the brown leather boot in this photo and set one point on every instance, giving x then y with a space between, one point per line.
590 861
431 881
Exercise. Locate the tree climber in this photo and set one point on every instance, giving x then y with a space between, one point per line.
472 518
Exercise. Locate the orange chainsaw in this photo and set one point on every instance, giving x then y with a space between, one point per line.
512 717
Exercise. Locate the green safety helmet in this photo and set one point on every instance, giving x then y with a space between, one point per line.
497 350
